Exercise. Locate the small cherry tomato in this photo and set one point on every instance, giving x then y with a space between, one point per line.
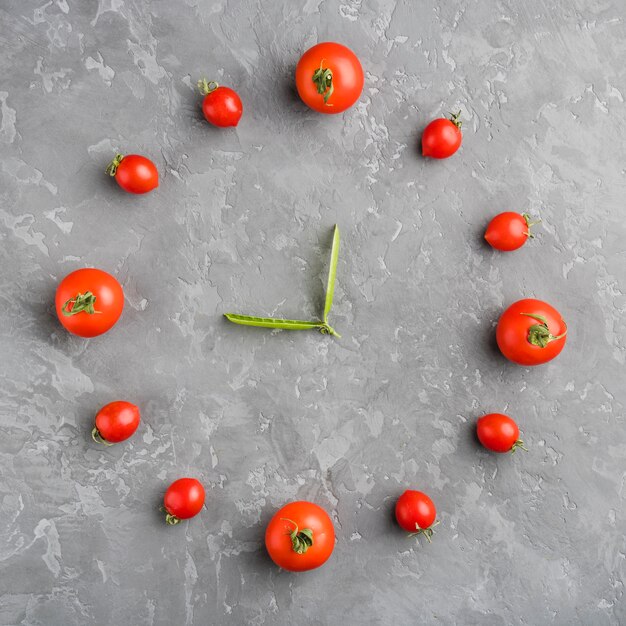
531 332
183 499
88 302
134 173
498 433
329 78
221 105
416 513
300 537
115 422
509 231
442 137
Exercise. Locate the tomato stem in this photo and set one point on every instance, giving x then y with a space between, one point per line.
529 224
455 119
518 444
111 169
323 79
539 334
301 540
172 520
83 302
98 438
207 86
427 532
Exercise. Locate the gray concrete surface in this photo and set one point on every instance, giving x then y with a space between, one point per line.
242 222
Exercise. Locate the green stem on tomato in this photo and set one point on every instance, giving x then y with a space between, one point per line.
455 119
172 520
518 444
83 302
207 86
427 532
539 334
301 540
98 438
323 79
529 224
111 169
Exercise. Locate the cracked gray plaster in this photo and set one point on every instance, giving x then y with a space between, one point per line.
242 222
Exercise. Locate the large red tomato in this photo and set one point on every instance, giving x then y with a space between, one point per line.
531 332
183 499
134 173
329 78
300 536
416 513
115 422
89 302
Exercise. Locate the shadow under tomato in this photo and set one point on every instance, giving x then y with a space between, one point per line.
390 510
288 92
40 315
480 235
191 103
471 434
156 502
416 142
485 338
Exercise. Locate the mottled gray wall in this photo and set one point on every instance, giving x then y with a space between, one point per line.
242 222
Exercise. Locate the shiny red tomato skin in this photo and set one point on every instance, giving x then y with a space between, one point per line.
109 302
184 498
513 327
222 107
305 515
497 432
507 231
415 511
348 78
441 139
117 421
137 174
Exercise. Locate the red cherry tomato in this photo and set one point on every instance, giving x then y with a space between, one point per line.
498 433
329 78
221 105
115 422
134 173
416 513
509 231
89 302
183 499
442 137
531 332
300 537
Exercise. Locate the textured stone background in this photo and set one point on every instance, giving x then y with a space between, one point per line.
242 222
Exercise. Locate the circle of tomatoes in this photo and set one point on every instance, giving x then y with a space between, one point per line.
329 78
88 302
509 231
442 137
531 332
183 499
416 513
134 173
498 433
300 537
115 422
221 106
